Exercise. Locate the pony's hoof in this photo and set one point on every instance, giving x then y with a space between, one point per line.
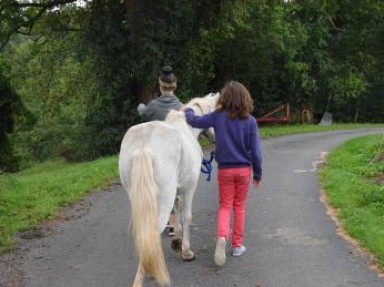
176 244
188 257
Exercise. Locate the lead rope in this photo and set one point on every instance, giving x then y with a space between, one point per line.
206 165
206 168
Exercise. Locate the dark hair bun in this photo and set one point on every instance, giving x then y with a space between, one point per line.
167 75
166 70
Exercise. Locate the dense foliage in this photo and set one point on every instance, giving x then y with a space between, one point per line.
8 98
82 69
12 110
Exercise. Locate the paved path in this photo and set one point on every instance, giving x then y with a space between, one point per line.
290 239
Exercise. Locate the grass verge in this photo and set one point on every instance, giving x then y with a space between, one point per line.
273 131
353 180
36 194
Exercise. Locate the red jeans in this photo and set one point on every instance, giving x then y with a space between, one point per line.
233 190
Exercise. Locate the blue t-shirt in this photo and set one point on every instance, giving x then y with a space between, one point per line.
237 140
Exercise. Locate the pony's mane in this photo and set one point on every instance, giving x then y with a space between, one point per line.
201 103
196 101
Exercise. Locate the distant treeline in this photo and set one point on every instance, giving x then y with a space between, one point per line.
71 76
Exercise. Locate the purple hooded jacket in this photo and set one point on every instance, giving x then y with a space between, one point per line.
237 140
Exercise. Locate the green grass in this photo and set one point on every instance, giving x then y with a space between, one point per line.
36 194
353 180
270 131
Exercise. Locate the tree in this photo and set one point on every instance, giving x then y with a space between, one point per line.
355 36
20 17
10 108
83 70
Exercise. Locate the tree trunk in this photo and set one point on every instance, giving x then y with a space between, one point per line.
328 103
144 92
356 115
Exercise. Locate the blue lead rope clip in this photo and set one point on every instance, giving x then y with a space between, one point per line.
206 166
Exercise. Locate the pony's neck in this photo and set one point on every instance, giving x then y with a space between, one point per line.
195 132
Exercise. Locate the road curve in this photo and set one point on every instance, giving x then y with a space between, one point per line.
290 239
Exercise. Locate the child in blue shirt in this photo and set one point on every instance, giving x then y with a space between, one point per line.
238 151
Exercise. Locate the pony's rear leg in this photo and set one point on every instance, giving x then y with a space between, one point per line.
186 252
176 239
139 278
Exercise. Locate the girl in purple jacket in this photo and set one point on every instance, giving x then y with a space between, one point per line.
238 152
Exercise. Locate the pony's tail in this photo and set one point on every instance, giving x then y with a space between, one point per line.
145 218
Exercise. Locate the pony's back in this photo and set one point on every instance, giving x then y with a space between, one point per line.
162 140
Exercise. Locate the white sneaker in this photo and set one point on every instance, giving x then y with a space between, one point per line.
238 251
219 257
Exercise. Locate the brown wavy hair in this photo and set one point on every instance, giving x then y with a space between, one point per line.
236 100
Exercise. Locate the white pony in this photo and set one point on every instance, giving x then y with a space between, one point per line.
159 167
